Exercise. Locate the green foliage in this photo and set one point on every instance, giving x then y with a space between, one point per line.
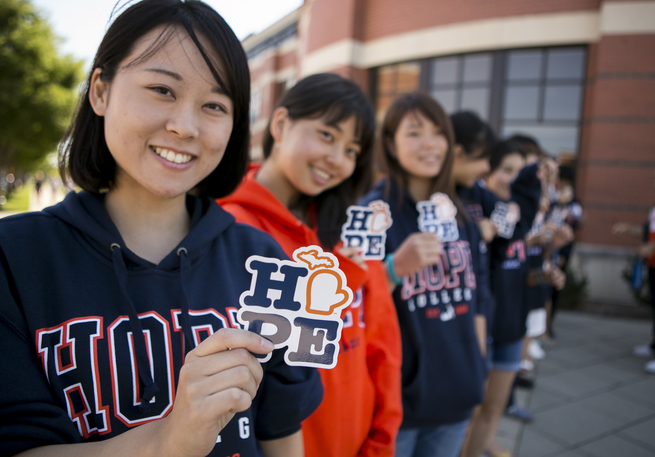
18 200
38 87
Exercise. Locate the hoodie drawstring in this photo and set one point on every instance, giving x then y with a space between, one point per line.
142 360
185 270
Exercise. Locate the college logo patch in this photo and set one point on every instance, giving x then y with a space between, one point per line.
505 216
437 215
366 229
297 304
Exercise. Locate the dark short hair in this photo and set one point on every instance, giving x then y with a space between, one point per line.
503 149
83 153
412 103
527 144
333 99
567 173
473 134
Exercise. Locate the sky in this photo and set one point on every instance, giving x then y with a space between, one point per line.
82 23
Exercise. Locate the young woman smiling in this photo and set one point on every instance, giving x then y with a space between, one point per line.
115 304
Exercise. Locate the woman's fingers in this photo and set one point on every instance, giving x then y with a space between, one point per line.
231 338
200 368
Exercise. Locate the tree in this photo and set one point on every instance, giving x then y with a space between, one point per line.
38 87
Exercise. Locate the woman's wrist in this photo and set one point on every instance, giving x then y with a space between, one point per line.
392 271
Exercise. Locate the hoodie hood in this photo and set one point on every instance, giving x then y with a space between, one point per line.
86 213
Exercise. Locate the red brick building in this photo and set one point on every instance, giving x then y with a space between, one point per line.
579 75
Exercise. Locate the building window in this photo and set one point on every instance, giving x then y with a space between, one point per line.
255 105
393 80
462 82
542 96
538 92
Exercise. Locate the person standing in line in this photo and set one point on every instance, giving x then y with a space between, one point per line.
434 280
509 197
317 155
646 252
116 304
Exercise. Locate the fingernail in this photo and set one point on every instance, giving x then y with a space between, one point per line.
267 345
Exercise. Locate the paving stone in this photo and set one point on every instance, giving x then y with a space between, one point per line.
568 454
613 446
576 357
614 406
572 424
592 397
642 391
543 399
644 433
574 384
609 372
509 428
535 445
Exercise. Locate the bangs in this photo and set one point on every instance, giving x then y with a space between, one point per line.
172 30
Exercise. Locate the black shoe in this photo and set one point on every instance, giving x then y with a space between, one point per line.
524 381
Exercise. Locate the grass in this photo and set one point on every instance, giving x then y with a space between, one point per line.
18 201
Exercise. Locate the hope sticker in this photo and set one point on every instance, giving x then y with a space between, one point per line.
437 215
505 216
366 229
297 304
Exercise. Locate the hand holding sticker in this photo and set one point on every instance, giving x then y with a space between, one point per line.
301 311
505 216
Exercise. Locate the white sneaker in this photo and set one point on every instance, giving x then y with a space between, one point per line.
534 350
643 350
650 367
526 365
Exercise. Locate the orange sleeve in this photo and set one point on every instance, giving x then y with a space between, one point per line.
383 356
356 275
243 216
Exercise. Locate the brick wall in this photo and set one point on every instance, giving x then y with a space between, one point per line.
616 169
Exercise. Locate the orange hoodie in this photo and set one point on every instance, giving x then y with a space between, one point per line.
362 408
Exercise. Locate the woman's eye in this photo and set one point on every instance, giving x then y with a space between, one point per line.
353 152
327 135
162 90
216 107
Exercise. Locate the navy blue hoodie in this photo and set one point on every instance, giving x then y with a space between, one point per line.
71 296
507 257
442 370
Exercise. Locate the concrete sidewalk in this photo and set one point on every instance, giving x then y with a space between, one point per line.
592 397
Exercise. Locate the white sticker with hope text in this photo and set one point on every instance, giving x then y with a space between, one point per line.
366 229
505 216
438 215
297 304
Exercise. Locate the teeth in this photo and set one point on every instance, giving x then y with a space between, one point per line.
321 174
172 156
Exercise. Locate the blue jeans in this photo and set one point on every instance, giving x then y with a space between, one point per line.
441 441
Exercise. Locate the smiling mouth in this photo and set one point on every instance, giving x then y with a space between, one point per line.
322 175
172 156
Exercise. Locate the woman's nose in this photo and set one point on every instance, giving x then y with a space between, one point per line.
183 122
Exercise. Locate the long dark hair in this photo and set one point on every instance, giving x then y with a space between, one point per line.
332 99
418 102
83 154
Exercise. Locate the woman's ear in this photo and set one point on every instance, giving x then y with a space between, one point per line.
98 93
279 119
458 151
